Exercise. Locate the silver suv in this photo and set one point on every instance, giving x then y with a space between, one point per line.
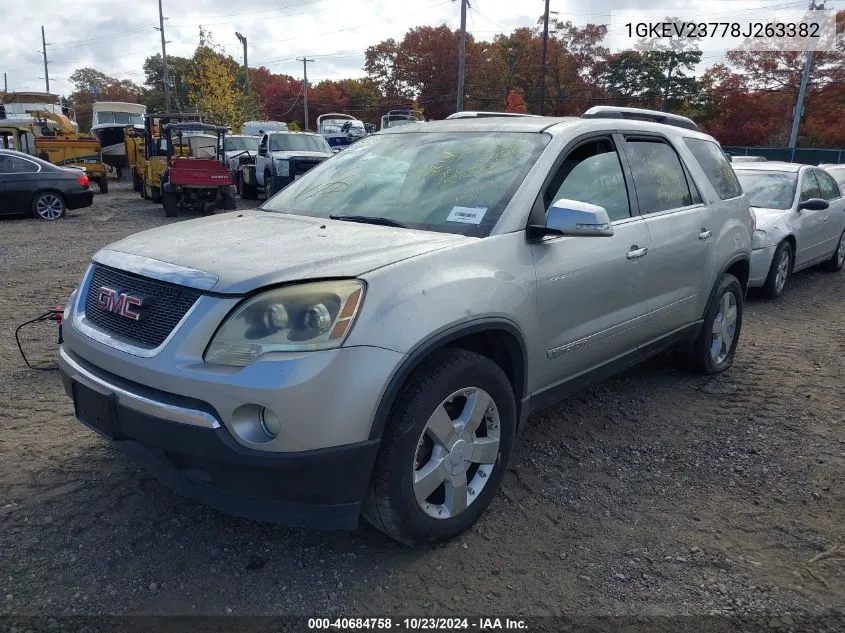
371 339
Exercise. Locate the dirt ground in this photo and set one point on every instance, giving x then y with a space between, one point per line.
655 493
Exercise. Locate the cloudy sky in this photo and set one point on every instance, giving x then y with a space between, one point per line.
115 36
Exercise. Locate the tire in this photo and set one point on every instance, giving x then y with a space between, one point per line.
703 358
155 195
247 191
780 272
229 202
171 204
137 184
269 189
837 260
409 446
103 184
48 205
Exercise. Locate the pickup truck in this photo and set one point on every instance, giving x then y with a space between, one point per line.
282 158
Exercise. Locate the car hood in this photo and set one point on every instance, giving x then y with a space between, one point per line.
295 154
246 250
765 216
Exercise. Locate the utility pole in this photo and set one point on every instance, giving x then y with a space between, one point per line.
543 59
246 64
5 84
164 60
305 61
44 52
462 56
802 90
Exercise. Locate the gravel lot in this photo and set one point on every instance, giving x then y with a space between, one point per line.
655 493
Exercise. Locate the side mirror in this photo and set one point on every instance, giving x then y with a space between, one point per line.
571 217
814 204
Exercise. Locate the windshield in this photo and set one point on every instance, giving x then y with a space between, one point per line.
768 189
120 118
838 174
241 143
298 143
451 183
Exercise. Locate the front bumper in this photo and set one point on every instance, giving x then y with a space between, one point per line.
182 443
761 261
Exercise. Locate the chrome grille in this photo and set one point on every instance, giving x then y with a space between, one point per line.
166 305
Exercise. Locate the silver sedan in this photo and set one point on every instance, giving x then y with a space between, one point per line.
800 222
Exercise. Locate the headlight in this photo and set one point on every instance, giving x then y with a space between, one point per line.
282 167
760 239
312 316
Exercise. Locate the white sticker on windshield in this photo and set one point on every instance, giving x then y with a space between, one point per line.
467 215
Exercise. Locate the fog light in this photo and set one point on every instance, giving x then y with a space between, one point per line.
270 422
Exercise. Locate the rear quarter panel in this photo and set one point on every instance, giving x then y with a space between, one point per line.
730 221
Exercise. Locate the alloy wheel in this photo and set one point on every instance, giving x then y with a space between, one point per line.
782 271
724 328
840 251
49 206
456 453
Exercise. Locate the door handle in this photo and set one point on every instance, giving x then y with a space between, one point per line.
705 234
636 253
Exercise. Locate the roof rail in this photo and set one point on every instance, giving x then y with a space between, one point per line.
475 114
641 114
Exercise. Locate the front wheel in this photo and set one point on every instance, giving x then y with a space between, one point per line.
268 186
715 346
103 184
445 449
171 204
780 271
48 205
837 260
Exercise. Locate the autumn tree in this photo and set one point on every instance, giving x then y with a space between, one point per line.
278 97
516 101
213 83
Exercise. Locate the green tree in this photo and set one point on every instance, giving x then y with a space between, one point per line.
179 69
213 83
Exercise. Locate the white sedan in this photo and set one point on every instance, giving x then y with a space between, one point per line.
800 222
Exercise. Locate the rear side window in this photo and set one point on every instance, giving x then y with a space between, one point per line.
659 177
827 185
15 165
716 167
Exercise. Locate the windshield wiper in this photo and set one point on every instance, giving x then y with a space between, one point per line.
369 219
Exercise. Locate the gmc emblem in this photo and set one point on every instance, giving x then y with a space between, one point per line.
123 303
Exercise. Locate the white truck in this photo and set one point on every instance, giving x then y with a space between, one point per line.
282 158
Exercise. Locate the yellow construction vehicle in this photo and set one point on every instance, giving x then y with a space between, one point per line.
155 154
53 137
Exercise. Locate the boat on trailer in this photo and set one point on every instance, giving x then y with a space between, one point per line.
109 121
404 116
340 130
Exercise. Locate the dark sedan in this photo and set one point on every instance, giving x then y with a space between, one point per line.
31 185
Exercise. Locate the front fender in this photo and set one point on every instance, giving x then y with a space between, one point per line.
410 300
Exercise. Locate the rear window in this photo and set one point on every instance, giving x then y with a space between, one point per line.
716 167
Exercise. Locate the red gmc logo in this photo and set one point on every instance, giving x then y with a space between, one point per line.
122 303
